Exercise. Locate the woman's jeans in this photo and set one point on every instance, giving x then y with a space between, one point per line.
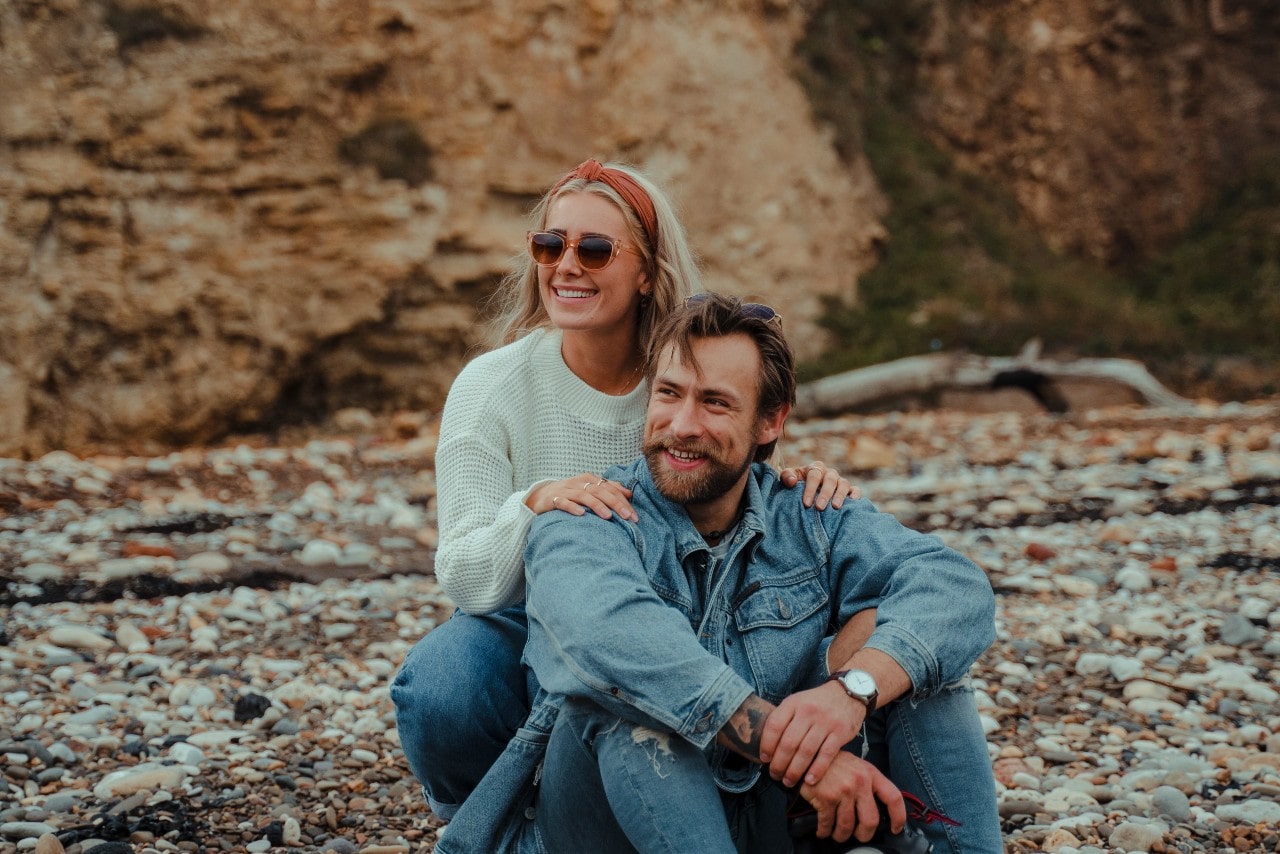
462 693
460 696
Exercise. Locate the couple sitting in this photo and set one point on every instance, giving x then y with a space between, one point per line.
729 633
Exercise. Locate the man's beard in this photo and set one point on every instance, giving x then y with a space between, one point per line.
713 479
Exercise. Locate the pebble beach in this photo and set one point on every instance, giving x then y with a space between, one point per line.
196 646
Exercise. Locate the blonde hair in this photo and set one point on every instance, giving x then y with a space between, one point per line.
672 268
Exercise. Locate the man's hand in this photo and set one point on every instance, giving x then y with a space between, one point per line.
805 732
845 798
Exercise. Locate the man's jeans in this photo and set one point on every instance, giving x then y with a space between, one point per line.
460 696
613 785
462 693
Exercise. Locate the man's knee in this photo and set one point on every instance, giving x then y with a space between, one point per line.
656 746
624 746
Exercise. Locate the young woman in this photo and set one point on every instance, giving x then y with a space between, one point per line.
526 429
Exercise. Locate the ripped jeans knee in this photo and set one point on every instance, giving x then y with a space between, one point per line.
608 780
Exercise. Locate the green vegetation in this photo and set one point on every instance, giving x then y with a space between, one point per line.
963 271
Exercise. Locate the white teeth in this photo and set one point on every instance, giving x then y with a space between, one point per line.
685 456
568 294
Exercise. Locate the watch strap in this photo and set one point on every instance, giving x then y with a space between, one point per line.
867 700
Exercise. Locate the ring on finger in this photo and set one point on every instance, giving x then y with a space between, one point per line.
555 501
588 487
598 482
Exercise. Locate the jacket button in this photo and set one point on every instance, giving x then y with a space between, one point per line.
530 813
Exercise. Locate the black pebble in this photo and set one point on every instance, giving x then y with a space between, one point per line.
250 706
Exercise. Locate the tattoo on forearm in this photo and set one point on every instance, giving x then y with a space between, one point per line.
743 731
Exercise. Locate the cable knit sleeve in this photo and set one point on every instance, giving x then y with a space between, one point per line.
515 418
482 516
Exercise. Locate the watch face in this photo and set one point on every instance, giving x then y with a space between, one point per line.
859 682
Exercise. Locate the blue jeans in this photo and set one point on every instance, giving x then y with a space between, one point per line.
460 696
612 785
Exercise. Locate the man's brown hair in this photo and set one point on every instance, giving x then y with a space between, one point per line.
713 315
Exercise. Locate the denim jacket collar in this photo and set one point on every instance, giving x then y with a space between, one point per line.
639 479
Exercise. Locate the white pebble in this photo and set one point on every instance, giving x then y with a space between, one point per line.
209 563
340 631
319 553
78 637
1134 578
37 572
1074 585
129 636
144 777
1255 811
186 754
1093 663
127 567
1125 669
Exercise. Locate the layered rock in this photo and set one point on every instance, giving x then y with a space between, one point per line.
1114 122
223 214
212 213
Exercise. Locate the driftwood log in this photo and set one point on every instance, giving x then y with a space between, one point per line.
920 375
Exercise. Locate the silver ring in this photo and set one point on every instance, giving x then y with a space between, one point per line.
588 487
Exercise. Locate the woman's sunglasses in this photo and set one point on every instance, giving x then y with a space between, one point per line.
594 253
754 310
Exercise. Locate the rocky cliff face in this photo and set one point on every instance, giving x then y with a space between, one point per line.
212 211
216 213
1114 122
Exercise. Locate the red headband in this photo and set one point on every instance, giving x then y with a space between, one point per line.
624 185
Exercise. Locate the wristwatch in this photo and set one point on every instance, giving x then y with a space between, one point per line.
860 685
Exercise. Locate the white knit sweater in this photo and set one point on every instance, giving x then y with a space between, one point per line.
517 417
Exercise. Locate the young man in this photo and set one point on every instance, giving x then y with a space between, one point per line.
716 638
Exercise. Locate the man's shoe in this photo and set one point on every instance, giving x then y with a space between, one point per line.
803 828
910 841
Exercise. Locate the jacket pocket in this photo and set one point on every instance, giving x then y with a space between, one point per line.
780 604
781 626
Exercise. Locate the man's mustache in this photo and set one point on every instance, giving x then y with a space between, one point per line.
669 443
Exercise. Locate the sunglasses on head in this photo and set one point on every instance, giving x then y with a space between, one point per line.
754 310
594 253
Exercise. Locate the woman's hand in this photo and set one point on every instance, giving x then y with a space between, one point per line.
822 486
580 493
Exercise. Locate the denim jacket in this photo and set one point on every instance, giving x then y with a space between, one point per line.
623 614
